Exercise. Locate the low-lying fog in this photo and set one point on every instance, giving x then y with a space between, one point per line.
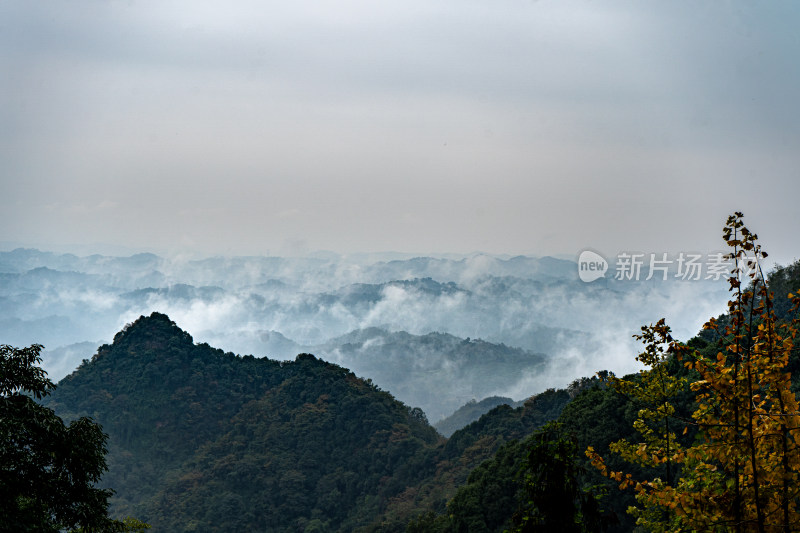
436 332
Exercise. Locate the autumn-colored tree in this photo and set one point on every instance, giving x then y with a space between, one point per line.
654 389
743 472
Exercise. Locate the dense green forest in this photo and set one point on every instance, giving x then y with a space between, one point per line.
205 440
202 440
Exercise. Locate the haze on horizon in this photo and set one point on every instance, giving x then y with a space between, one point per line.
508 127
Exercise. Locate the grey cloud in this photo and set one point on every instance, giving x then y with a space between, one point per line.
407 126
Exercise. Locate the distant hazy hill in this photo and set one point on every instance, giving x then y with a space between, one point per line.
438 372
470 412
64 299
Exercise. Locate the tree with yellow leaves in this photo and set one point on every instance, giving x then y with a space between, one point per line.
743 471
654 390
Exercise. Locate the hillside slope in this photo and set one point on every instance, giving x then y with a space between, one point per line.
209 441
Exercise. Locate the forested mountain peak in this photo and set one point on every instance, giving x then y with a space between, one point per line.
156 328
195 432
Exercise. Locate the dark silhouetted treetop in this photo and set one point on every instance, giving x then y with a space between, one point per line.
48 470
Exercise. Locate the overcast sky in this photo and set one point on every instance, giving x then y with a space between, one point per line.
504 126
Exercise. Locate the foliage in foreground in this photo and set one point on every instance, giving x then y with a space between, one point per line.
705 439
533 485
48 470
742 471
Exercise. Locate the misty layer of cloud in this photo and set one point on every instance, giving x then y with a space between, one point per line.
405 323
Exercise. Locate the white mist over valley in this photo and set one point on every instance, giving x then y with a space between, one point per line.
436 332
